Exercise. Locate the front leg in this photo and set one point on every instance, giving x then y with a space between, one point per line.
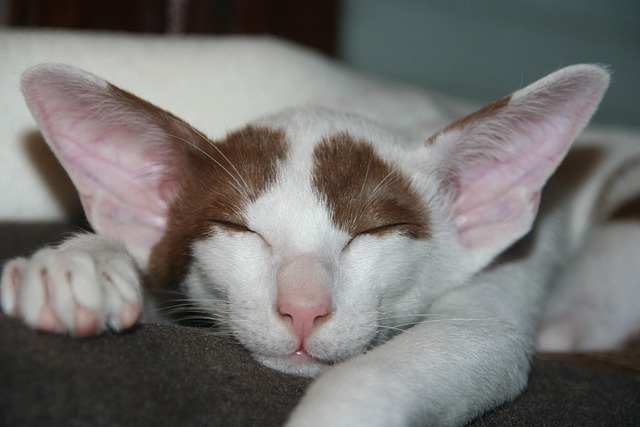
82 287
441 372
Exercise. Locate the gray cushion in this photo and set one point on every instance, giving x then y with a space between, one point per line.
166 375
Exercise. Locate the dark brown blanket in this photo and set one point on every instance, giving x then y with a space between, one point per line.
159 375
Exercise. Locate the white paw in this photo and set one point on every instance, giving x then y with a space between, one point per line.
72 290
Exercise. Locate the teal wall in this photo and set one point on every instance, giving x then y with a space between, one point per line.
483 49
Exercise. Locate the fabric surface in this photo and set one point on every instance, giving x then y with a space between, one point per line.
153 376
165 375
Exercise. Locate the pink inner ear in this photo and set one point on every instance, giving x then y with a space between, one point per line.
499 198
487 225
503 155
117 149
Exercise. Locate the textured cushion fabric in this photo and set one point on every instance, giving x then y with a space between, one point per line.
152 376
166 375
568 394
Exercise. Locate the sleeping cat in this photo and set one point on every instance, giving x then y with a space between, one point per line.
402 264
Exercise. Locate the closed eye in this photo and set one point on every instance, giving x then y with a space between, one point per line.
232 226
405 228
401 227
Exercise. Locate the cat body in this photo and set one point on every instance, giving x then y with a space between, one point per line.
402 264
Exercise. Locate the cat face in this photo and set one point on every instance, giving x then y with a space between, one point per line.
324 255
311 234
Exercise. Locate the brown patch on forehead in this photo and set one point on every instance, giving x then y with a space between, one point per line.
220 180
485 111
364 193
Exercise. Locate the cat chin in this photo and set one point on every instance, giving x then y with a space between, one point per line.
299 363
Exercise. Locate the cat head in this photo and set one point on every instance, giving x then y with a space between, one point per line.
312 234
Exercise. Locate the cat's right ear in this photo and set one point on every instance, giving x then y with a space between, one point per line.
125 156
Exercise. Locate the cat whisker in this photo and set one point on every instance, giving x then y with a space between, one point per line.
189 309
240 185
366 176
391 175
397 329
213 145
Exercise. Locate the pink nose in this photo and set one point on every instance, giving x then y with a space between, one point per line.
305 317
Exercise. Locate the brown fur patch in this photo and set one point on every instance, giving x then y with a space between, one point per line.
364 193
218 181
628 209
485 111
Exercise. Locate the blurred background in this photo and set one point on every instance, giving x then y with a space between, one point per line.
475 49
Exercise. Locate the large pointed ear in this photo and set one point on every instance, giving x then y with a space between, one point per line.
495 161
124 155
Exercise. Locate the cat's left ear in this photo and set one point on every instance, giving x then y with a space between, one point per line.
495 161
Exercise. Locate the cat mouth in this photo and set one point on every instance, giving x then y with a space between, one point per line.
301 356
297 363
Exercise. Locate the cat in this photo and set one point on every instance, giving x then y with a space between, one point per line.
405 268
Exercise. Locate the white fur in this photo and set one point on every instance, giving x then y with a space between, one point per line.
422 331
595 304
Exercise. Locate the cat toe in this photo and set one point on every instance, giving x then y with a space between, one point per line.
48 321
9 286
123 296
85 323
128 315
